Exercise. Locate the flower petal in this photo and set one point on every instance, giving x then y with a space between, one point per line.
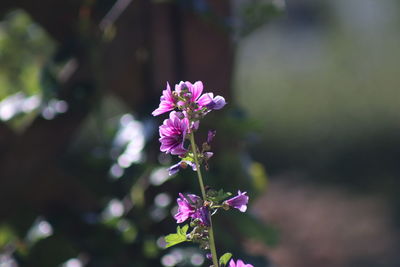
196 90
205 99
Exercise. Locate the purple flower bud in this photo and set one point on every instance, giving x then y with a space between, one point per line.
208 155
181 165
174 168
209 256
238 202
191 164
195 125
239 263
210 136
217 102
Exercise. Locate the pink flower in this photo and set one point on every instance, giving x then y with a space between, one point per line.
239 263
203 215
191 207
167 102
185 209
173 133
188 96
239 202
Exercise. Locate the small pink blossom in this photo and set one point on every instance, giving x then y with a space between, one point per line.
167 102
239 263
239 202
185 209
173 133
189 207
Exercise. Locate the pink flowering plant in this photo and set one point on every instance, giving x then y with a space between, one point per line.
187 106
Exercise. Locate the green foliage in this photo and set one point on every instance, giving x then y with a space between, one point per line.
223 260
179 237
217 196
7 236
24 47
59 247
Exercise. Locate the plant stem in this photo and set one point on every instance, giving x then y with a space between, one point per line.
203 193
213 249
196 161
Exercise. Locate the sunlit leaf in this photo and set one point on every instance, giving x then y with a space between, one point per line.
179 237
223 260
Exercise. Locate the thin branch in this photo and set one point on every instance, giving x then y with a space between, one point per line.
115 12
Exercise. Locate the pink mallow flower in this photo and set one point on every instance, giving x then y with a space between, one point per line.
167 102
185 208
239 263
238 202
173 132
190 207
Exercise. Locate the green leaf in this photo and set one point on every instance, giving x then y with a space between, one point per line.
218 196
179 237
188 158
223 260
183 230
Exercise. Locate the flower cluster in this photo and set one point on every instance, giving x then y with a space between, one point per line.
189 97
191 105
194 207
187 105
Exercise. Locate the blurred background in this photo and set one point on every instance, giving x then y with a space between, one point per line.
311 132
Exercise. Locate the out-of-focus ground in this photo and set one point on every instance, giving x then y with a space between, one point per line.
326 226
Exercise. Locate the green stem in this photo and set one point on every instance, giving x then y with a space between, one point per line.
196 161
203 193
213 249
